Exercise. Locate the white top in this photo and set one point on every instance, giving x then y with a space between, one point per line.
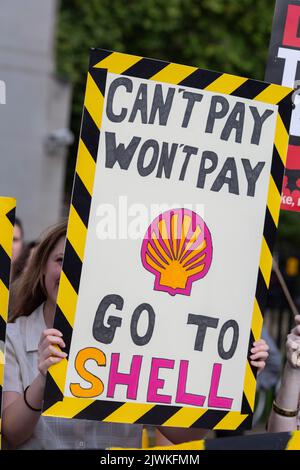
21 369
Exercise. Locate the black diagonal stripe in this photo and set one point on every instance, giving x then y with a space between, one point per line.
210 419
285 110
62 324
98 410
81 200
11 215
145 68
99 76
200 78
52 393
72 266
2 329
158 415
250 89
245 408
250 346
294 140
97 55
270 230
261 291
251 341
247 423
277 169
90 134
5 267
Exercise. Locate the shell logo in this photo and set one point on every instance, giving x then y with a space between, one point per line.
177 249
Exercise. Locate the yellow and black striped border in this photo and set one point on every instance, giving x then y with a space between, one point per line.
102 62
7 219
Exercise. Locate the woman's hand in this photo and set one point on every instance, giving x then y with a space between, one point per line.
259 355
293 345
48 351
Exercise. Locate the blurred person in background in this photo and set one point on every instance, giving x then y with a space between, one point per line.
18 241
17 269
23 260
285 414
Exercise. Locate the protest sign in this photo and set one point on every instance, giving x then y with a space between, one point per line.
283 68
7 218
174 211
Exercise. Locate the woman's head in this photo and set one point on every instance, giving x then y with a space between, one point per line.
40 280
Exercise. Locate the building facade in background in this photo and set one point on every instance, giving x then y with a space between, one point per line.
34 121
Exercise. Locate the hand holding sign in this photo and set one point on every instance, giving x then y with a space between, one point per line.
48 352
259 354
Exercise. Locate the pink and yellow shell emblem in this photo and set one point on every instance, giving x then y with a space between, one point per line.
177 249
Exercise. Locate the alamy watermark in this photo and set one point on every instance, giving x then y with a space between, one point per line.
2 92
124 220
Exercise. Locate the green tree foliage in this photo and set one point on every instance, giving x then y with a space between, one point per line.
226 35
289 233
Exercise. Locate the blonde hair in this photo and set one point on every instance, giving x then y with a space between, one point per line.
28 291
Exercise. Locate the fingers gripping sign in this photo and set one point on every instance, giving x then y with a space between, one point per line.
49 352
293 352
259 354
293 344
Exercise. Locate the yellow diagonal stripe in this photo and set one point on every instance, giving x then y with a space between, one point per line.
3 300
281 139
7 204
294 442
226 83
1 372
265 263
274 199
273 94
1 381
68 407
86 167
77 232
67 299
58 373
257 321
128 413
6 234
193 445
94 101
231 421
249 386
118 62
185 417
6 239
173 73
